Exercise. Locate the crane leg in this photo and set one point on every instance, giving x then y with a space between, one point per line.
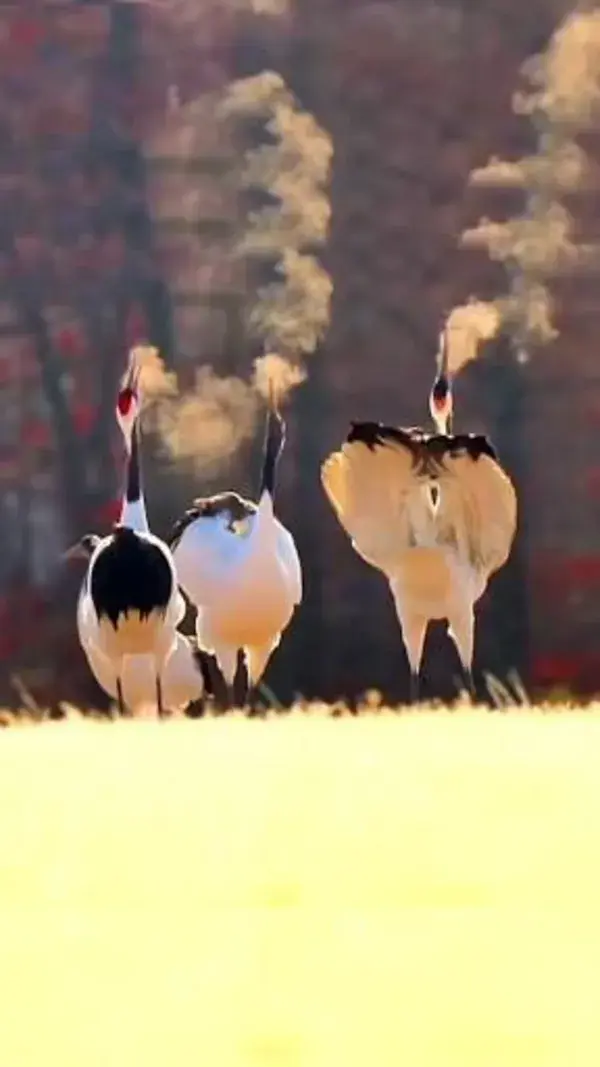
257 658
227 658
461 628
414 628
470 684
120 700
414 688
159 698
241 683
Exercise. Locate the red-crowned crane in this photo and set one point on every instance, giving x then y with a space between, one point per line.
436 513
123 570
239 566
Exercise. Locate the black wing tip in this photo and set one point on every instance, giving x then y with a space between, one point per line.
377 433
232 503
455 444
373 434
474 444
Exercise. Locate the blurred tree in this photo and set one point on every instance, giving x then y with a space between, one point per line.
285 215
547 250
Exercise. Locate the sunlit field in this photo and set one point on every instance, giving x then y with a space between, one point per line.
303 891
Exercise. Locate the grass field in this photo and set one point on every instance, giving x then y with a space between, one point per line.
380 891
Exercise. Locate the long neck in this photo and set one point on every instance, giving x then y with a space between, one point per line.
443 424
274 437
133 509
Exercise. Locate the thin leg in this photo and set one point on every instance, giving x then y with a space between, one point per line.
159 698
470 684
461 628
414 688
227 659
414 628
120 700
241 687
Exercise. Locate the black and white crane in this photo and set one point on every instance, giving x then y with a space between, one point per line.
435 512
127 623
239 566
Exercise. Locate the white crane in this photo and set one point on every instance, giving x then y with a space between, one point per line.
239 566
436 513
184 675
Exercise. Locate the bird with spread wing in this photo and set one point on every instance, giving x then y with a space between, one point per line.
435 512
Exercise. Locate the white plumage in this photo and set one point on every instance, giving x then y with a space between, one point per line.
434 512
239 566
183 676
182 671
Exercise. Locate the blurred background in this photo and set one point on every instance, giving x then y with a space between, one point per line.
408 154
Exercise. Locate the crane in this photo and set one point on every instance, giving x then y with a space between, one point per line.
434 512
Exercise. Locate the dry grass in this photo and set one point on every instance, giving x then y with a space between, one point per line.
302 892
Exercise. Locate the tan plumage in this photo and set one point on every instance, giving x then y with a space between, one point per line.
136 635
434 512
481 495
370 491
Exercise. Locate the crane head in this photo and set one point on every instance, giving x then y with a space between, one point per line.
440 404
440 398
128 402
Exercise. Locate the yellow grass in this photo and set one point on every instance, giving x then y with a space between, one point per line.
303 892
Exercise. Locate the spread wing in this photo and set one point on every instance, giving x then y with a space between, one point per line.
369 483
478 508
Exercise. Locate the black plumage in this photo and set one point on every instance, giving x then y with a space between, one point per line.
133 488
274 442
236 507
130 573
425 448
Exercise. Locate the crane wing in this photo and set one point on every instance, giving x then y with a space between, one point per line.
478 507
368 483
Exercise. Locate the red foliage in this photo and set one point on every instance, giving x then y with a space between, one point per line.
579 672
83 418
36 434
558 575
553 669
70 341
26 34
107 514
136 327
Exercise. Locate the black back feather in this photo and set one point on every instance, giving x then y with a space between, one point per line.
424 447
130 573
133 487
274 442
236 507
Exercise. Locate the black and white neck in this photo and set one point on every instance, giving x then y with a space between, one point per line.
133 509
440 397
440 404
274 442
